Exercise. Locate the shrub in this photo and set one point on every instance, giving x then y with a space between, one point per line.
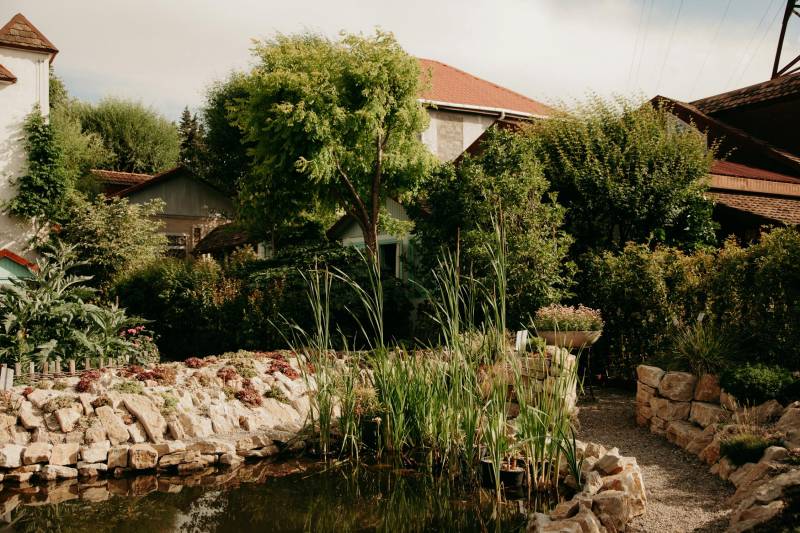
87 378
129 387
568 318
249 396
59 402
744 448
756 383
702 347
201 307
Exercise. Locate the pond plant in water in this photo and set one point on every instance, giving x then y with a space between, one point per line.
447 409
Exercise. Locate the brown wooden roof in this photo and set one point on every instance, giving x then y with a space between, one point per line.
778 209
780 87
223 238
20 33
114 177
6 76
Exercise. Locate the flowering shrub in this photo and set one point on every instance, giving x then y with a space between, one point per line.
568 318
144 349
227 373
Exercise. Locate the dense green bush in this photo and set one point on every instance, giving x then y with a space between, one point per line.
201 307
756 383
648 296
744 448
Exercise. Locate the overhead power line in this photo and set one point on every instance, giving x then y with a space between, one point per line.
669 45
710 47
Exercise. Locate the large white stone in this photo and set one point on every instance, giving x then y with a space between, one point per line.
147 414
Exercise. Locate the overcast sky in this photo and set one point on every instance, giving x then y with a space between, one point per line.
165 53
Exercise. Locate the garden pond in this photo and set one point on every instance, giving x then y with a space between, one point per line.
287 496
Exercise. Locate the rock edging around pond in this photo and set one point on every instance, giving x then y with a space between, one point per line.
172 417
695 414
612 495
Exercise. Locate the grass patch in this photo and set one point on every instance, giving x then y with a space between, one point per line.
129 387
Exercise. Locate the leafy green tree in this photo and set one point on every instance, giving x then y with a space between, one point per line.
41 191
225 160
627 172
336 122
110 236
191 133
457 208
137 137
81 151
57 91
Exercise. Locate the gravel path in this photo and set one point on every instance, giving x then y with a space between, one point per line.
681 494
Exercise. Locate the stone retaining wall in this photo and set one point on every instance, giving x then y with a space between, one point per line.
697 415
170 418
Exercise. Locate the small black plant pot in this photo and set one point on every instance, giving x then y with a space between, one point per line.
511 478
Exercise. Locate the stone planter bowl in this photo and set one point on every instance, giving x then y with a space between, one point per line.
569 339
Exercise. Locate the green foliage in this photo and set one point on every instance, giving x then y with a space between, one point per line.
49 315
331 122
744 448
756 383
81 151
702 347
201 308
111 236
191 132
455 211
627 172
137 138
42 189
224 159
129 387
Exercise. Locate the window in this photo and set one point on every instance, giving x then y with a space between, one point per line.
176 245
197 235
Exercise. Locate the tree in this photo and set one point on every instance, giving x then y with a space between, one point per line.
111 236
191 133
459 205
225 161
332 121
81 151
41 191
137 137
627 173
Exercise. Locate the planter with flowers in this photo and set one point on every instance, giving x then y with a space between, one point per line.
568 326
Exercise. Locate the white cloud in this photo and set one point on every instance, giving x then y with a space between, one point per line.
165 53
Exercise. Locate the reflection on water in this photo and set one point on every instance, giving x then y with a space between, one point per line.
262 497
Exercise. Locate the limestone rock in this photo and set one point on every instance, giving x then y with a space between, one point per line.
592 449
64 454
768 411
630 482
39 397
699 443
677 386
682 433
611 507
790 420
91 469
11 455
52 472
113 424
610 463
38 452
658 426
705 414
775 453
208 446
118 456
195 425
147 414
136 432
95 433
28 418
142 456
95 453
707 389
170 446
67 418
670 410
649 375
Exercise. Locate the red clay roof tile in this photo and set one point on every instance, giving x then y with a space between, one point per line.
753 94
19 32
6 76
727 168
115 177
451 85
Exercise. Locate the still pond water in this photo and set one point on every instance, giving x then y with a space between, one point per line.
277 497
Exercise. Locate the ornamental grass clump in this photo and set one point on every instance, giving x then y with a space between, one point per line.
558 317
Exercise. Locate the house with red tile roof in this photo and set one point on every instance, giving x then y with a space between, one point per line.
756 181
25 58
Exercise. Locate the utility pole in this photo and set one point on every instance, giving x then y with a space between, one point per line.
792 8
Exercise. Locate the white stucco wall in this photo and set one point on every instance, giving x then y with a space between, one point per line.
17 100
451 132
